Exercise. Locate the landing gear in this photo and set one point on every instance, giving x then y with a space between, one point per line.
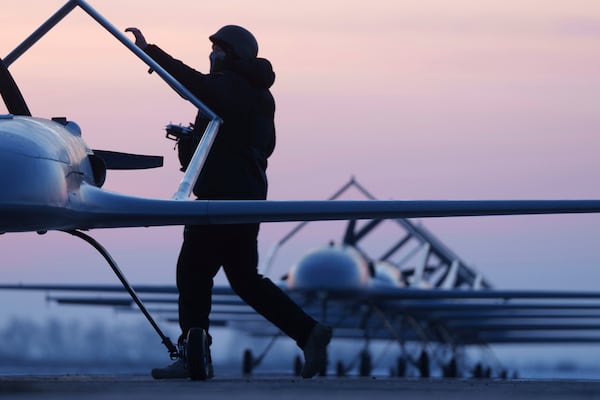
424 364
339 369
401 366
478 371
451 369
298 366
323 372
247 362
197 355
365 363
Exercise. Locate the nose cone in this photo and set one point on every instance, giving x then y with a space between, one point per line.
32 175
329 268
32 166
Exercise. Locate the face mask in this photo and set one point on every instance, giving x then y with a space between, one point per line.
217 62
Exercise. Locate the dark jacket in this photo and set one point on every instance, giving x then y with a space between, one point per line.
236 166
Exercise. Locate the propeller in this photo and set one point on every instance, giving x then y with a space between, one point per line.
15 103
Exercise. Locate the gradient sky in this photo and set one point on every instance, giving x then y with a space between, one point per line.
416 99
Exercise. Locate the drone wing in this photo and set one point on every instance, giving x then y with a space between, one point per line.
102 209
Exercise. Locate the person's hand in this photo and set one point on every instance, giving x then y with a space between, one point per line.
140 40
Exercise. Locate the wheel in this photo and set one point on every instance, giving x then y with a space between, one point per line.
424 364
451 369
401 366
487 373
297 366
478 371
248 362
365 363
323 372
340 370
197 354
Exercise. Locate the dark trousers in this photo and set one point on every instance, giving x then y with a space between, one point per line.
234 247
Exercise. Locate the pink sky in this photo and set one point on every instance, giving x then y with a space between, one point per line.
416 99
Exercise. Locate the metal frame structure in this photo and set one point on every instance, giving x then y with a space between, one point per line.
438 257
199 158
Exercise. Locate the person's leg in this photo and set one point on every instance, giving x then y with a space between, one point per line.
197 265
271 302
260 292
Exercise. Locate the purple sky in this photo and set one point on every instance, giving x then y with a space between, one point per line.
417 100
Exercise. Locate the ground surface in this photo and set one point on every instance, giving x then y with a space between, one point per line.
280 387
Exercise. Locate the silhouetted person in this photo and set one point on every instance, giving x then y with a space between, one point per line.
236 89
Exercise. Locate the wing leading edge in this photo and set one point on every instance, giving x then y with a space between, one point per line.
103 209
92 207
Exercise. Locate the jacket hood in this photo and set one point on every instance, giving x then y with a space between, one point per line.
258 71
